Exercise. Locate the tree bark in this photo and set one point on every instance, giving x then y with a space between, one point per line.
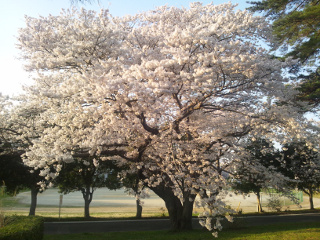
33 205
87 196
180 214
174 208
259 202
311 199
139 209
186 223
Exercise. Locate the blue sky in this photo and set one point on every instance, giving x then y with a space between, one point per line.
12 18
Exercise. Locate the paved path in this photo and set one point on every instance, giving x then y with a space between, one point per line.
163 224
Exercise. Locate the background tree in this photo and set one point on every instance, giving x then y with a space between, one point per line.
17 128
12 171
258 170
296 28
302 163
16 176
134 186
86 176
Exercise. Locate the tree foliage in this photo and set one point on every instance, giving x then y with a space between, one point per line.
12 172
296 23
16 176
257 169
302 163
17 130
296 28
310 88
86 176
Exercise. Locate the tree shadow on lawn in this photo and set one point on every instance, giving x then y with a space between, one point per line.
262 232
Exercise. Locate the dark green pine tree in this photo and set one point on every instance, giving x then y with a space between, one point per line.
296 26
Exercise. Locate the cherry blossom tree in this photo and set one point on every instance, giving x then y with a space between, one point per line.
170 93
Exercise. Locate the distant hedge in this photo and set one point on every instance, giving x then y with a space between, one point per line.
22 228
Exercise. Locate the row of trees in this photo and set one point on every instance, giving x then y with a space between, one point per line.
296 164
83 176
171 96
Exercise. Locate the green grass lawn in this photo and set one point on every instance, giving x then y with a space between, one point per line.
292 231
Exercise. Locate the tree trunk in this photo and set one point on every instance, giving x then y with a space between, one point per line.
87 196
180 214
139 209
86 208
259 202
186 223
174 208
311 199
34 194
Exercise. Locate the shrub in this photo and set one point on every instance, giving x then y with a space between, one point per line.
22 228
274 204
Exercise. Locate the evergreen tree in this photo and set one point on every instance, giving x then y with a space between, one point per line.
296 26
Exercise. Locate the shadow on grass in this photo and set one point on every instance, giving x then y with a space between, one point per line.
290 231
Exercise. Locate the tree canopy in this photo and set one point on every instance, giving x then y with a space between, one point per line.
166 93
86 176
257 169
302 163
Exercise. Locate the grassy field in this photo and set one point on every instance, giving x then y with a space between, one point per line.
277 232
296 231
